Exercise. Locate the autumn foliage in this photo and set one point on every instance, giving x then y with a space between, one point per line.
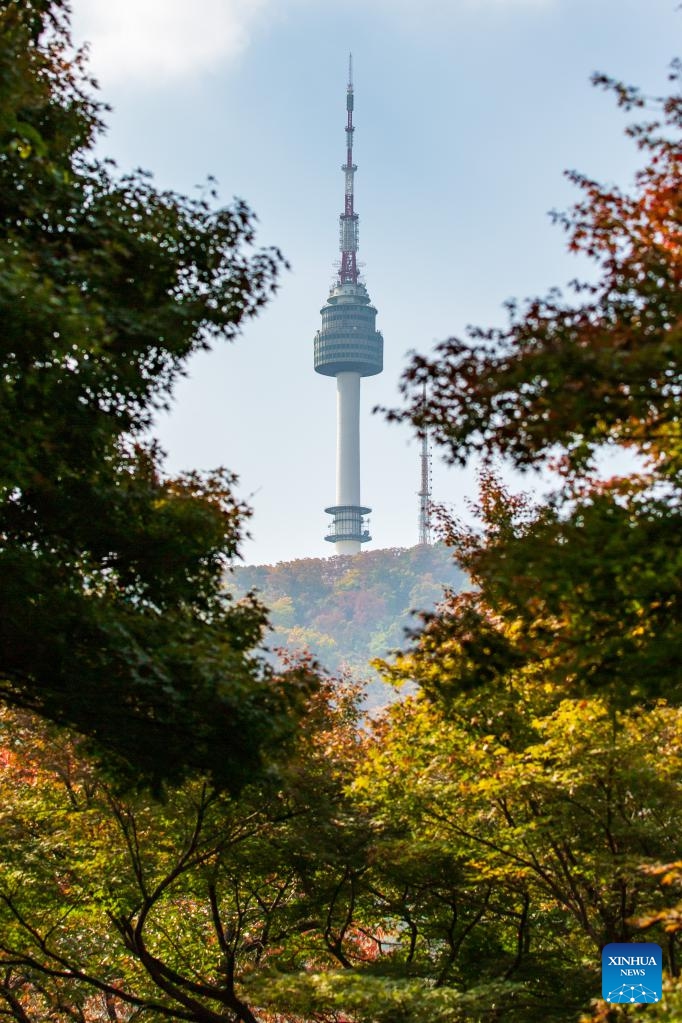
188 833
574 615
113 617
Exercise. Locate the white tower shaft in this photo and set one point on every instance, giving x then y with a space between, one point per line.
347 449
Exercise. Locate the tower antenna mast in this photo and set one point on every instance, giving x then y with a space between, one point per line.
348 273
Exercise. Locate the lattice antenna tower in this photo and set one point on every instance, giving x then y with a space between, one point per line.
425 501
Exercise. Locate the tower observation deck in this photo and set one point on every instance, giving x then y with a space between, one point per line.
348 346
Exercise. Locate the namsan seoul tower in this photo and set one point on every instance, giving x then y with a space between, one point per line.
348 346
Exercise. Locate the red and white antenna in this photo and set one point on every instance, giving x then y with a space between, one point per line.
348 273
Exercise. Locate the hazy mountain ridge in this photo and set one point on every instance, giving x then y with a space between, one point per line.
349 609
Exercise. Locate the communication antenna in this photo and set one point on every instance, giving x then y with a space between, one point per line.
425 485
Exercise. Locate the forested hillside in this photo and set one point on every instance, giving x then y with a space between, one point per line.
347 610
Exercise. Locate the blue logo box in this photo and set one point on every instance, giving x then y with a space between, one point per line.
632 972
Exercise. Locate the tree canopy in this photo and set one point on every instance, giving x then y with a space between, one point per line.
569 638
113 617
588 581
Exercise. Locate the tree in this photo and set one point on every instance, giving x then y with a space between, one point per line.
168 909
591 577
550 812
113 617
543 685
287 900
613 359
157 907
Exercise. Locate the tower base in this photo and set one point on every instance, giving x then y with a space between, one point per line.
347 530
347 547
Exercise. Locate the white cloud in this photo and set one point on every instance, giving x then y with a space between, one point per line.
156 41
161 40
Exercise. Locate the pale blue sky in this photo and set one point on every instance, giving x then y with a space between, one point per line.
467 112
